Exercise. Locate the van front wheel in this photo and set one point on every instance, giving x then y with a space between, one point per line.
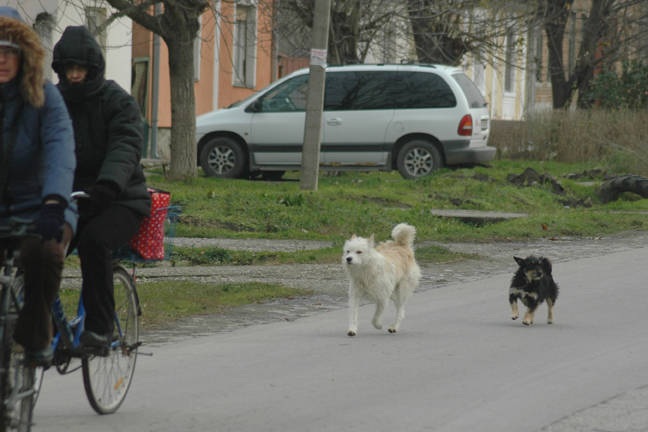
223 157
417 159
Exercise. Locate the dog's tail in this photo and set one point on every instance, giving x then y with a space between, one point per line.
404 234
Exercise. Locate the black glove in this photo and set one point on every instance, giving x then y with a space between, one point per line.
50 222
103 194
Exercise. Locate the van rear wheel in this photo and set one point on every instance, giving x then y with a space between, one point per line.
417 159
223 157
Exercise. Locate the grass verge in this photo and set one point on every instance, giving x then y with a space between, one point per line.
366 203
167 301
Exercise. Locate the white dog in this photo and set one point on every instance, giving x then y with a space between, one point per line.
379 273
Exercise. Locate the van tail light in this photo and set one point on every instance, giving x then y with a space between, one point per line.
466 125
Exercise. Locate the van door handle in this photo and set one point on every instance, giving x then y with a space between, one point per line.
334 121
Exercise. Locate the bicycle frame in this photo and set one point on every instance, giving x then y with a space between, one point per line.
69 332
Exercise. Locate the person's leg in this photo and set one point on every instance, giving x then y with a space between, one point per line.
42 264
102 235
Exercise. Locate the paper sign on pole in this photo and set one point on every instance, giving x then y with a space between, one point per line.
318 57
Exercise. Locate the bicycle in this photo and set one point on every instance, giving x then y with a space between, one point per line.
19 385
107 375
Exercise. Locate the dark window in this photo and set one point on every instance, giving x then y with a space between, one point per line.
422 90
360 90
289 96
474 96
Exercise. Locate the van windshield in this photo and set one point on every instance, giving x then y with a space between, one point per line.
474 96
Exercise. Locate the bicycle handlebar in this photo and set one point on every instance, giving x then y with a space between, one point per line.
80 194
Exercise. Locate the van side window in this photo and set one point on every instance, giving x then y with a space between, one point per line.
359 90
289 96
422 90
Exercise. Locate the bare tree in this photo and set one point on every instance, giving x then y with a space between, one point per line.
178 25
612 30
354 24
430 31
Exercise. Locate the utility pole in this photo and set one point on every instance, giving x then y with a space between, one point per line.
315 97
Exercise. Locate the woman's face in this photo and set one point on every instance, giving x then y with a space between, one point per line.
9 63
75 73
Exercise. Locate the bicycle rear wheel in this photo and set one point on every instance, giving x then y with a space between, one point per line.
107 379
20 385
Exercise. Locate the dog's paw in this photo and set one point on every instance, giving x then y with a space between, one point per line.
377 324
392 330
527 321
351 333
514 317
550 321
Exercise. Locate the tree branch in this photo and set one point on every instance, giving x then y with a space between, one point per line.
139 13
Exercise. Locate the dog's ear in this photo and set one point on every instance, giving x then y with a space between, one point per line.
371 240
354 236
518 260
546 265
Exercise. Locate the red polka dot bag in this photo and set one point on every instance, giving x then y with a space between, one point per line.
149 240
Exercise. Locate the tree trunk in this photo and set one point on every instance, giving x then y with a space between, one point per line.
183 111
343 37
558 11
433 39
564 88
178 25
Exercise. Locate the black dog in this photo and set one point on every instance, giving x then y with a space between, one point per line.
533 284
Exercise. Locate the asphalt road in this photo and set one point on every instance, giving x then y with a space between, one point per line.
458 364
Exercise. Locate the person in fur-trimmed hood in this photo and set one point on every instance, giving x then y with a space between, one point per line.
108 134
36 174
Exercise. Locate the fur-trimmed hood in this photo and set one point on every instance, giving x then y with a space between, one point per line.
31 73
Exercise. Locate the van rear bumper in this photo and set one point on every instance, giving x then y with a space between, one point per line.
460 152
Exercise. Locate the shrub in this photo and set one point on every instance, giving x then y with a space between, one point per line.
627 90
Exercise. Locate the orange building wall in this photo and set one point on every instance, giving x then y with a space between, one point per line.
227 92
204 88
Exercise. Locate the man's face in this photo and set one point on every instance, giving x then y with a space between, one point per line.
9 63
75 73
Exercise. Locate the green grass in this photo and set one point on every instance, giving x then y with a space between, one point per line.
163 302
366 203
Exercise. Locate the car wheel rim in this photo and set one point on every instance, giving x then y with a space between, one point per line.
222 160
419 162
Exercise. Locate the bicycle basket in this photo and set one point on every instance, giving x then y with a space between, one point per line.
154 240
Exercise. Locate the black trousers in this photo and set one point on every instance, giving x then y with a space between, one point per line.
96 239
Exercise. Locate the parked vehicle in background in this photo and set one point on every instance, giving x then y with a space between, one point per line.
413 118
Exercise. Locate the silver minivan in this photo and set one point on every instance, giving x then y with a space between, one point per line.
413 118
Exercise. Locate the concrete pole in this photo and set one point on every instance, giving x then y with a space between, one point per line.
315 97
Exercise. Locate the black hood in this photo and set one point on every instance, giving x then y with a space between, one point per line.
78 46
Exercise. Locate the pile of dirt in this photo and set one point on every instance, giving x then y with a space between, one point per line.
530 177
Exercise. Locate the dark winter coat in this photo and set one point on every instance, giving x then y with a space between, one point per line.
107 123
43 160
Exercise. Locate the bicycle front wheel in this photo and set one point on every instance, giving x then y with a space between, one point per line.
20 385
107 379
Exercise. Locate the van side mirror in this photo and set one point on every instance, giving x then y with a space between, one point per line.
255 106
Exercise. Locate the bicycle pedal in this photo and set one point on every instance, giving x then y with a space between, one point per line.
96 351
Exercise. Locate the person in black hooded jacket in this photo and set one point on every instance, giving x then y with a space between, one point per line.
108 135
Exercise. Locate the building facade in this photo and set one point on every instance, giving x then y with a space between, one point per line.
51 17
